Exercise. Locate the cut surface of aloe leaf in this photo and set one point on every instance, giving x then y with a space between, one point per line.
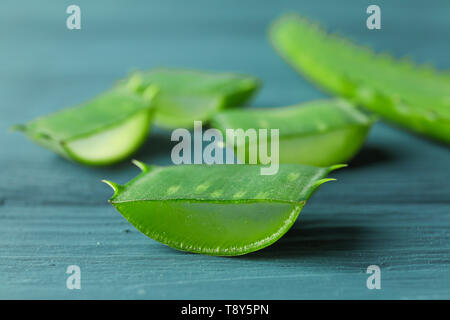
188 95
216 209
415 97
319 133
102 131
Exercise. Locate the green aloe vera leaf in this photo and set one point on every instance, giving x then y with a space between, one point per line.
220 210
187 95
415 97
319 133
103 131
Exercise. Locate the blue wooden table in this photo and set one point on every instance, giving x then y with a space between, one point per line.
390 208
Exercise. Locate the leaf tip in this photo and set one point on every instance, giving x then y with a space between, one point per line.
134 82
144 168
318 183
150 92
17 127
115 186
337 166
322 181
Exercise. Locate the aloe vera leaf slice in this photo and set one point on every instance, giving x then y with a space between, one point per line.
320 133
103 131
216 209
415 97
188 95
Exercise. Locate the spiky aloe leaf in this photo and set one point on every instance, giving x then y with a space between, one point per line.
188 95
102 131
415 97
216 209
319 133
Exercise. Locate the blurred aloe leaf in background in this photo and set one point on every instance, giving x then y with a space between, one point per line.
414 97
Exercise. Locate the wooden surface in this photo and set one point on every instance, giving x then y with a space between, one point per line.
391 207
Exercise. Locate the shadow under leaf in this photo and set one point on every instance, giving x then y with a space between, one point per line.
312 239
371 155
156 149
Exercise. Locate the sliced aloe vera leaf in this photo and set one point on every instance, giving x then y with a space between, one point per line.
216 209
187 95
103 131
415 97
319 133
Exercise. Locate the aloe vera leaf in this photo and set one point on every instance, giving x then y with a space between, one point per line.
415 97
103 131
216 209
187 95
319 133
